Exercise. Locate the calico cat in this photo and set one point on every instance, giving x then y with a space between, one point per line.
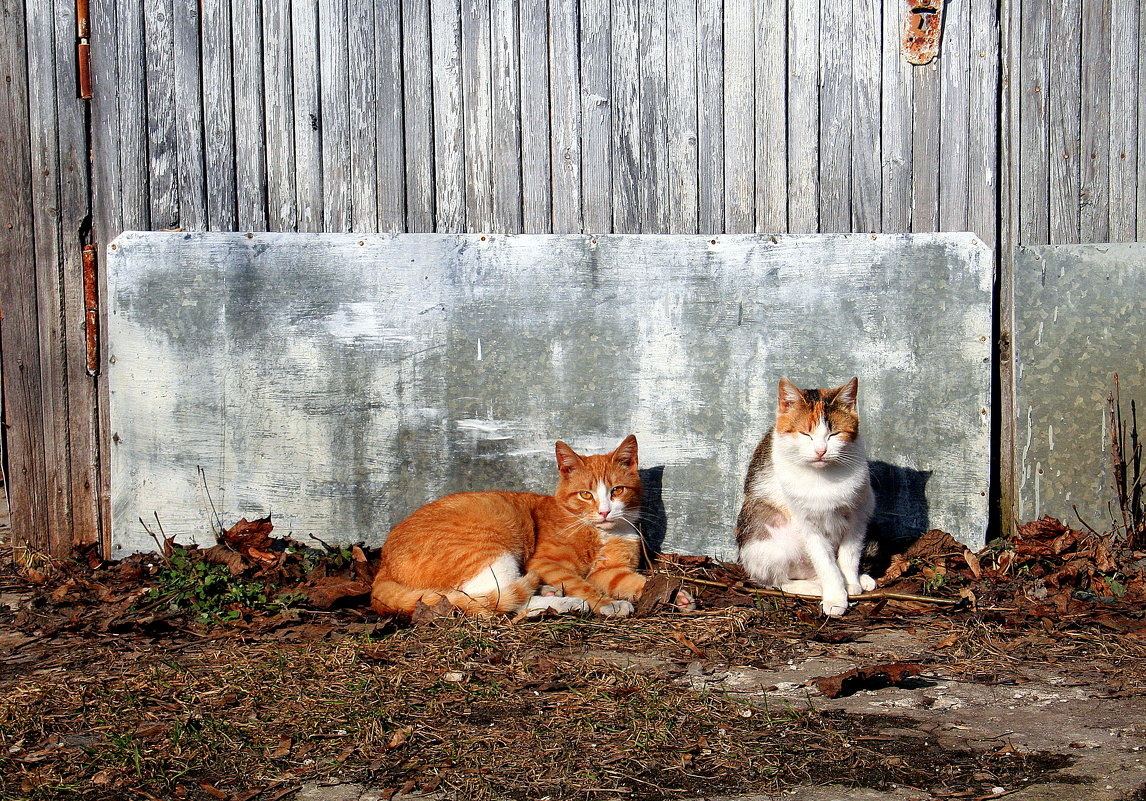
488 552
808 498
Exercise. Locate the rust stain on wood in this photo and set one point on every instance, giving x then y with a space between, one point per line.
922 30
91 309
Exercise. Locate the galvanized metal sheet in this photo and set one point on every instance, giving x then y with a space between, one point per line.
338 382
1080 317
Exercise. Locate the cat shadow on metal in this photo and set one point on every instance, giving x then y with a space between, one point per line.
901 512
654 520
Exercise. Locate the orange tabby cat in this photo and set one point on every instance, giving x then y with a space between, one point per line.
488 551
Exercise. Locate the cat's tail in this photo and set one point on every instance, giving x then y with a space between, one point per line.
389 597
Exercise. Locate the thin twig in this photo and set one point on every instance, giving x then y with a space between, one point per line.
877 595
158 544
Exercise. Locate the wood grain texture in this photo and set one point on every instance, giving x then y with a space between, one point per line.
537 200
654 185
1141 126
682 111
219 116
1094 140
739 116
418 115
307 115
477 109
565 115
626 116
158 41
1125 89
364 74
391 157
449 131
1064 105
926 112
771 106
710 117
803 116
596 115
1031 149
279 111
866 151
836 96
251 143
19 336
954 126
983 206
191 186
505 102
334 116
896 88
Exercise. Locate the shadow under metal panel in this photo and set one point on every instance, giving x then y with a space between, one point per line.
338 382
1080 317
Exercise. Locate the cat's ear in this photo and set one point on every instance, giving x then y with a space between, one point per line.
626 453
790 394
846 395
568 459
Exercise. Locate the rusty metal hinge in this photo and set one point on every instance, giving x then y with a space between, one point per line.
83 49
922 30
91 309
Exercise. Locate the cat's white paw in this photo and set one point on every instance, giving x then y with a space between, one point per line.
616 608
834 606
867 583
558 603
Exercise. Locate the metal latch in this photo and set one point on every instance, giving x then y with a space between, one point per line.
922 29
91 309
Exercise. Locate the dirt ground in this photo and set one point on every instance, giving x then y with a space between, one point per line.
1014 673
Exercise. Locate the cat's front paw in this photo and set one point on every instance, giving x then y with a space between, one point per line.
538 604
618 608
867 583
834 606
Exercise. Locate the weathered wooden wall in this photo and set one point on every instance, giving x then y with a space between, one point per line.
533 116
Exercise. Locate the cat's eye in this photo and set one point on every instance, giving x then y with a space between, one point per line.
586 495
616 492
806 434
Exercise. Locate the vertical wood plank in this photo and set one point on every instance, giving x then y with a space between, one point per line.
1140 126
926 119
895 125
682 111
159 49
219 116
1031 149
363 76
596 115
1094 174
307 122
449 133
1125 88
866 151
954 132
654 123
626 116
565 113
334 116
836 94
739 116
506 101
710 116
390 117
418 115
983 186
192 184
250 130
77 422
771 199
1064 84
804 117
19 338
537 207
131 149
48 292
278 94
477 111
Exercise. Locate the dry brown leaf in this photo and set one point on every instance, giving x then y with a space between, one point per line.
867 678
973 563
358 554
399 736
947 641
327 590
224 555
212 790
283 748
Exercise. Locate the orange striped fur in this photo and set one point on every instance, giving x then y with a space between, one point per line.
487 552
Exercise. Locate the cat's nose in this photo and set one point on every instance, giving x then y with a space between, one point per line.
820 452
